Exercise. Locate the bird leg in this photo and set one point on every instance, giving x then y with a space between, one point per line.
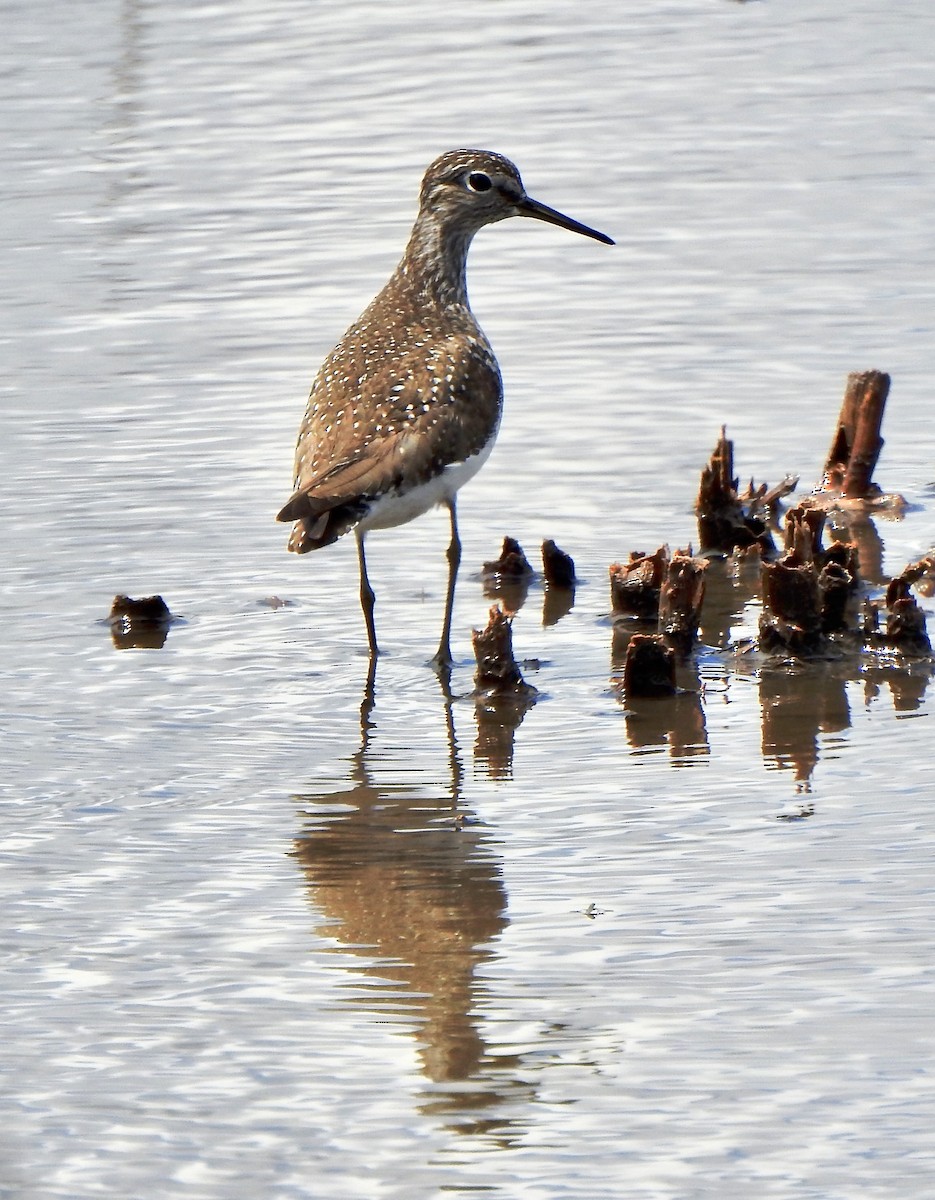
367 599
443 655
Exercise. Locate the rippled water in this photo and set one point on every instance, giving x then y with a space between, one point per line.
263 938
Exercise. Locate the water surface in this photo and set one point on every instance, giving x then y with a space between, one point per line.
264 936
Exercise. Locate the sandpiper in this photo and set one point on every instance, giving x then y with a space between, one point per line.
405 409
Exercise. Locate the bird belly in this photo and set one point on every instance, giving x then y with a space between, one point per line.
405 504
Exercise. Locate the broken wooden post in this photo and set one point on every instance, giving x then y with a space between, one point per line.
680 599
905 619
141 624
635 586
856 445
791 618
557 566
649 668
558 570
508 576
807 592
497 670
728 521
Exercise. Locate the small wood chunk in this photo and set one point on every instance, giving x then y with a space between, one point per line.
806 594
905 619
681 598
727 521
649 667
835 587
791 618
512 565
142 623
635 586
497 670
557 566
856 445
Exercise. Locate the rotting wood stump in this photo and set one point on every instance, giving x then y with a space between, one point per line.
508 577
497 671
649 667
681 598
857 442
558 568
511 566
807 592
727 520
636 586
139 624
905 629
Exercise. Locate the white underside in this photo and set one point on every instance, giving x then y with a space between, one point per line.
396 508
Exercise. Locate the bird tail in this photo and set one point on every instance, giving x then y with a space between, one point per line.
314 526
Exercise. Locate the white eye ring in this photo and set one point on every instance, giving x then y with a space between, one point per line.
478 181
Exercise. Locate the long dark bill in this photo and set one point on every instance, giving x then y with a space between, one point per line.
528 207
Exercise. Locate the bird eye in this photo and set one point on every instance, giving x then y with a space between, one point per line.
477 181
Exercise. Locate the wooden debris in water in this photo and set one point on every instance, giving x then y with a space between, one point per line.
512 565
905 620
557 566
635 586
558 570
856 445
727 520
649 667
508 577
497 671
806 593
681 598
142 624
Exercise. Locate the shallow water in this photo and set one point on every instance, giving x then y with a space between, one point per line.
262 938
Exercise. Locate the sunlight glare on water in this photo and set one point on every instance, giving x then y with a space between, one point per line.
268 935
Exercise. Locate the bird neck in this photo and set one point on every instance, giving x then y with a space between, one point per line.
435 261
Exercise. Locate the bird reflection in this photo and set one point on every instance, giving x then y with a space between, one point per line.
409 885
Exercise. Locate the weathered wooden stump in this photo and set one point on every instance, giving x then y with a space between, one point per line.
905 620
728 521
649 668
511 566
140 624
509 576
856 445
635 586
558 568
681 598
497 670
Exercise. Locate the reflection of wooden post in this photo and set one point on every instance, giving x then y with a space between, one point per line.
857 443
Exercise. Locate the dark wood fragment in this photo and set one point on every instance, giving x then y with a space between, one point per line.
680 599
905 619
791 618
806 594
511 565
836 588
726 520
508 578
635 586
148 609
497 670
557 566
856 445
143 623
649 668
905 627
